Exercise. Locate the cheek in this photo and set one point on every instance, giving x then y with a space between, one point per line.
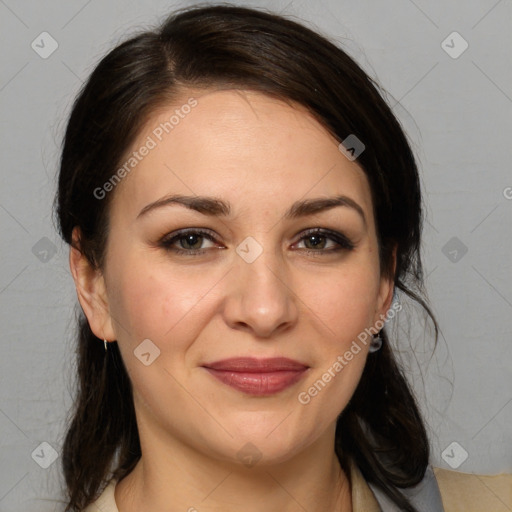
150 306
152 299
345 308
153 305
345 302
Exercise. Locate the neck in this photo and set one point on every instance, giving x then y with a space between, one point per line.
175 477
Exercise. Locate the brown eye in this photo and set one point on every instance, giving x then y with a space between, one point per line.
191 239
189 242
316 240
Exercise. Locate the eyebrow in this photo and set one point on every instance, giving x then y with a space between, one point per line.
216 207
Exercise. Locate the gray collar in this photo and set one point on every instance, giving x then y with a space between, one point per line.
425 496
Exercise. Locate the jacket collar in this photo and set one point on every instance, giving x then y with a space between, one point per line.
366 497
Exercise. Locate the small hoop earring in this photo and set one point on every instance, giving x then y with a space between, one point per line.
376 343
105 344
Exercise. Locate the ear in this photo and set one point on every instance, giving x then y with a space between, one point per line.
91 290
386 290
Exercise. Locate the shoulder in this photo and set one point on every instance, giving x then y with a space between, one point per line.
106 501
468 492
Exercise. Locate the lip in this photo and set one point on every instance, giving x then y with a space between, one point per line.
255 365
260 377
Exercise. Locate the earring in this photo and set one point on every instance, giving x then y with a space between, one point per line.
376 343
105 343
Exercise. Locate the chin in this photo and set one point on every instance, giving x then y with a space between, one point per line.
260 444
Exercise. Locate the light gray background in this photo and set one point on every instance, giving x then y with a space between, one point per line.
457 112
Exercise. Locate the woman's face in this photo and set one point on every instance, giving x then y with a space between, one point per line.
262 287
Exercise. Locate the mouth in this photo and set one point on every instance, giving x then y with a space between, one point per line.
259 377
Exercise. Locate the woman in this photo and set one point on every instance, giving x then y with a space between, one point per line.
242 208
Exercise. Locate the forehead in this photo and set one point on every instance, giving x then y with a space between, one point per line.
255 151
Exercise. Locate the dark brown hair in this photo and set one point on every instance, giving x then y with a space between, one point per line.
221 46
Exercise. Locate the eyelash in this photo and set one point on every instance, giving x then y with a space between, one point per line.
343 242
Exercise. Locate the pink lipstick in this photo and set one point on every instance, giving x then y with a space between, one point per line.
261 377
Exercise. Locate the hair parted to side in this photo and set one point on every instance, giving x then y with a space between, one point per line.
221 46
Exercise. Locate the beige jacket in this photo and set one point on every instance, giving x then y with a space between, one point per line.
460 492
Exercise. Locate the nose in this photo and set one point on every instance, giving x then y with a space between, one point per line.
261 300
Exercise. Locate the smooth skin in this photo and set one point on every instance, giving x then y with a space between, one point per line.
260 155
